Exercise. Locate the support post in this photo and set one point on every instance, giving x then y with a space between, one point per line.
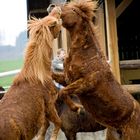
64 39
112 40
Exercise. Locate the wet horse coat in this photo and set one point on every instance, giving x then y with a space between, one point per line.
72 123
88 75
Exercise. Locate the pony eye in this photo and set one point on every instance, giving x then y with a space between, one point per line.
73 9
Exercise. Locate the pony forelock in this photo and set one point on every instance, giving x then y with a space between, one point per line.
88 7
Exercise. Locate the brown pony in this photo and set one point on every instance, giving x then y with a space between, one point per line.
29 105
88 75
72 122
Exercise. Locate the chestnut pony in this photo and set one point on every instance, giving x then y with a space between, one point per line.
87 74
72 122
29 104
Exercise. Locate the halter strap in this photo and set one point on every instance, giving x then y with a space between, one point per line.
80 13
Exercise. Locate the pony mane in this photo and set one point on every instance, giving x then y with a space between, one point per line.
38 55
86 6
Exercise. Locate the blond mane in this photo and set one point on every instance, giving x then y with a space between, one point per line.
38 55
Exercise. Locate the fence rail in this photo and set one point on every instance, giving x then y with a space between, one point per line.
2 92
9 73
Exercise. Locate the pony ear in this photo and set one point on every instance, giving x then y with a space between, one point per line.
53 23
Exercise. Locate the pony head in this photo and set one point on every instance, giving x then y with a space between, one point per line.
76 11
50 24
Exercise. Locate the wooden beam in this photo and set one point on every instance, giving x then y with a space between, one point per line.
122 6
133 89
55 47
130 64
112 40
64 39
100 23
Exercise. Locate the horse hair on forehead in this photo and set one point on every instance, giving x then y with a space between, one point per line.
39 28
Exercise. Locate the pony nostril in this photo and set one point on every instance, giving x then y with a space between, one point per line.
62 15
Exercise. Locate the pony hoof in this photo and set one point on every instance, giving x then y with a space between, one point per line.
81 111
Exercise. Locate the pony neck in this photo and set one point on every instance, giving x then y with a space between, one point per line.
82 33
37 65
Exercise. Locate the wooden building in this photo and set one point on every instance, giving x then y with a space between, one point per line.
119 35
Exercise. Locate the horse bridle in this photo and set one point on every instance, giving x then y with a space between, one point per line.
80 13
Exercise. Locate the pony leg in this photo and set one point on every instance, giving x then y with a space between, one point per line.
112 135
81 85
59 78
72 105
42 132
57 123
71 135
